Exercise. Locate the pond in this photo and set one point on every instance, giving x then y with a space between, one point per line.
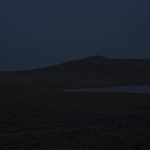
116 89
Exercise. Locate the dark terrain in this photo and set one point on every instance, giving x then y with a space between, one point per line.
37 120
36 115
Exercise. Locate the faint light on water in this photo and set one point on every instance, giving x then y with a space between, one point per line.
115 89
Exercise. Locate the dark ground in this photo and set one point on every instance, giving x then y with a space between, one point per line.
35 119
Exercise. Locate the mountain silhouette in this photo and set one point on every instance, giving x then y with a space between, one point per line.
87 64
94 71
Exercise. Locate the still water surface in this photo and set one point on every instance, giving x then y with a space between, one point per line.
116 89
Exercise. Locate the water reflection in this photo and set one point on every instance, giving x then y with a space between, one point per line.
116 89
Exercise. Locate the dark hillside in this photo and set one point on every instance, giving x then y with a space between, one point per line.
93 71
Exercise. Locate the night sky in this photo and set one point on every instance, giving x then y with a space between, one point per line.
36 33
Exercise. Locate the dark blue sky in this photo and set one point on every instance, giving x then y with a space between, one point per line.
35 33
